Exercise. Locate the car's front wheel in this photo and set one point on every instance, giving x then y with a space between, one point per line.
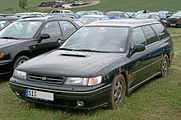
20 60
118 91
165 66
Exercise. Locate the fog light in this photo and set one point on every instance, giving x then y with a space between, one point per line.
80 103
17 93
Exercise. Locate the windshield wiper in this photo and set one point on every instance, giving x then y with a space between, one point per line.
89 50
86 50
66 49
9 38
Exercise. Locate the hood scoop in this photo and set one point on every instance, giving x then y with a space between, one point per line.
73 55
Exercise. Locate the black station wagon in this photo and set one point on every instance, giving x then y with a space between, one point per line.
30 37
97 65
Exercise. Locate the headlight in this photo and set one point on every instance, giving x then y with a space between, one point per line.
2 55
83 81
19 74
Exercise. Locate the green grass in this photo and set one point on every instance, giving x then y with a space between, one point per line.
158 99
134 5
11 6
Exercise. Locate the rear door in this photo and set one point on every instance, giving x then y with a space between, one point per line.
141 63
153 44
159 47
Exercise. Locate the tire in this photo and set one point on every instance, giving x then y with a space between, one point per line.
118 91
20 60
164 66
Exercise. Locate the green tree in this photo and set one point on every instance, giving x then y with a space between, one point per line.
22 3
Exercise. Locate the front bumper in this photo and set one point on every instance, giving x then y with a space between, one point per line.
68 99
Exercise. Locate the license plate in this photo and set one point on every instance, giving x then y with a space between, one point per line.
172 24
39 95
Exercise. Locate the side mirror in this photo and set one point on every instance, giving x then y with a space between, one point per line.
43 36
136 48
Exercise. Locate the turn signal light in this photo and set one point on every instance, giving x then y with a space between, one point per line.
2 55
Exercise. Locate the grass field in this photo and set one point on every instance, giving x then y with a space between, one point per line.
160 99
11 6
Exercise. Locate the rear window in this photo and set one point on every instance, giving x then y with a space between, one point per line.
160 31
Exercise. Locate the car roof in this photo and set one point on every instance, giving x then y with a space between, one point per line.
29 13
124 22
9 18
46 18
97 16
115 12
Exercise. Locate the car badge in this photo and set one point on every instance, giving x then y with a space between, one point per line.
44 78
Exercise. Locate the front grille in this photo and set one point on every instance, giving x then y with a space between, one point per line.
46 78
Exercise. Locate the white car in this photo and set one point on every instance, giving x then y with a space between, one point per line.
30 14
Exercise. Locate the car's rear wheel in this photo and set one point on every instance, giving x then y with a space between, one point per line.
20 60
165 66
118 90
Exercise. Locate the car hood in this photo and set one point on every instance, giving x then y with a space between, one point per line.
7 42
71 63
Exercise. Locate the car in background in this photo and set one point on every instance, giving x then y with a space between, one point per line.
97 66
155 16
30 14
86 19
117 14
174 20
27 38
61 11
178 13
65 15
82 13
166 13
6 20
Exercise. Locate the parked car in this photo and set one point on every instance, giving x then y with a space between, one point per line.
65 15
82 13
97 65
6 20
61 11
117 14
174 20
86 19
27 38
30 14
166 13
155 16
178 13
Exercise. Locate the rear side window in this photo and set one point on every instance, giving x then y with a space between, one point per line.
138 36
51 28
67 28
149 34
160 31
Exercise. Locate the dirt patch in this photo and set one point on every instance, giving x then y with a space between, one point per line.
90 2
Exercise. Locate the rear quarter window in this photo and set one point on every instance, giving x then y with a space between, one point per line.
149 34
160 31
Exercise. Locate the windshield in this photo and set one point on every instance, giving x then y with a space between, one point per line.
4 23
103 39
142 16
113 14
86 20
178 13
21 29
